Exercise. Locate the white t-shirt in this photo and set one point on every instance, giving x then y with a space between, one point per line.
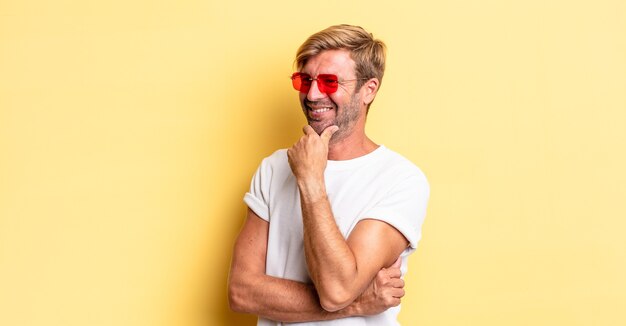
381 185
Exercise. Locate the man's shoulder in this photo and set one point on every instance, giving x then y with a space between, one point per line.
279 157
401 165
275 163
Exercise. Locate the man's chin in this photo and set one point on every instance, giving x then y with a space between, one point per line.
319 126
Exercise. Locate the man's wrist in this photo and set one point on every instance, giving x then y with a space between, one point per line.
354 309
312 189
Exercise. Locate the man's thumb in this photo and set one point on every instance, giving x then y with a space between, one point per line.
328 133
398 263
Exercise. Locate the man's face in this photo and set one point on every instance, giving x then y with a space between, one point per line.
341 108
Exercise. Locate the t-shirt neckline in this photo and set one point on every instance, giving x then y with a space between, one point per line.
355 162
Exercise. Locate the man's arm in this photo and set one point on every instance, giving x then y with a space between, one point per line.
340 269
252 291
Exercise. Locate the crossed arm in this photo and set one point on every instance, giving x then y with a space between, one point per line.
252 291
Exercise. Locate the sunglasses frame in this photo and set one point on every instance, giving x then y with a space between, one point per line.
326 83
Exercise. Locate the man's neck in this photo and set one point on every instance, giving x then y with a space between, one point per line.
351 147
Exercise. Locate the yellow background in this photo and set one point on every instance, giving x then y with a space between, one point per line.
129 131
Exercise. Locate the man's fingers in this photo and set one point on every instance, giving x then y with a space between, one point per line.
328 133
397 292
393 272
396 282
392 302
307 129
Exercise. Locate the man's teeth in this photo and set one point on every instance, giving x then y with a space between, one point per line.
320 110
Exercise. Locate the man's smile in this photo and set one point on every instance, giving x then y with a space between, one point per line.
317 111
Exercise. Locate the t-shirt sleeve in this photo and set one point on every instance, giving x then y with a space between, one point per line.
257 198
404 207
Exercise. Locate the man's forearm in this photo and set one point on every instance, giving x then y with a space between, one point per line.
282 300
250 290
331 263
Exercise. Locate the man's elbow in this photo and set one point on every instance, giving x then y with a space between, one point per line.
236 297
332 301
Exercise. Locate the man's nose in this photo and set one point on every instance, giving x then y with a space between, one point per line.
314 93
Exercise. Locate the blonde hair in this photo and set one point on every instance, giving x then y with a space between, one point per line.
368 53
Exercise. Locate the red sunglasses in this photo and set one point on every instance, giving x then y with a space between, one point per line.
326 83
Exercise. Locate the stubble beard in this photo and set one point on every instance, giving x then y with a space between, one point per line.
345 118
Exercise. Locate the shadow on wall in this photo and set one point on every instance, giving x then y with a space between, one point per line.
279 126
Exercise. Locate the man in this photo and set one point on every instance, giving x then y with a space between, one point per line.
332 219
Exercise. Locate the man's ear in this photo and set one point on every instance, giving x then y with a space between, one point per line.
370 88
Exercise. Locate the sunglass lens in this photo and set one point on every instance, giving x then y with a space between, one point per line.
327 83
301 82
